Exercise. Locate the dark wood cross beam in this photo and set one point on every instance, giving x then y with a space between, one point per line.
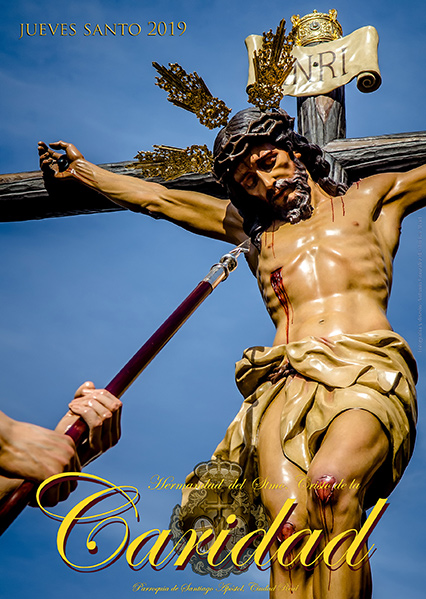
26 196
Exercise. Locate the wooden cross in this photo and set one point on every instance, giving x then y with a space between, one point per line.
23 196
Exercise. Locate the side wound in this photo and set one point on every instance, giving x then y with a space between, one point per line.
281 293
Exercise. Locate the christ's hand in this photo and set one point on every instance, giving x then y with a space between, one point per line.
56 164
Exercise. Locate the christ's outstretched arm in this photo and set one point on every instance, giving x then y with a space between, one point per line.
196 212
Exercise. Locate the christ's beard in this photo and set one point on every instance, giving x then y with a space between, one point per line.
297 207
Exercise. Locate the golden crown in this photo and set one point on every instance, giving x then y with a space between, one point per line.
316 27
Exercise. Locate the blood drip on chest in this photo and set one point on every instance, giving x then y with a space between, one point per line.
332 210
277 285
273 243
342 201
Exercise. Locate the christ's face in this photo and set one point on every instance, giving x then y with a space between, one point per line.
260 170
269 174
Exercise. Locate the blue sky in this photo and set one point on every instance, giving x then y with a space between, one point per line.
81 294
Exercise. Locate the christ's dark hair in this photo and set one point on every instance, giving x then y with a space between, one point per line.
252 127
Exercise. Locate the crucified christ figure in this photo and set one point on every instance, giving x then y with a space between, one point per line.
330 409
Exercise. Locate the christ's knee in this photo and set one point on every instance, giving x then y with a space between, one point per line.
332 503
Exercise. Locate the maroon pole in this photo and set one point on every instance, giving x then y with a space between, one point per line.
13 504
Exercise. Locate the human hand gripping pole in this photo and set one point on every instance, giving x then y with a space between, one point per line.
12 505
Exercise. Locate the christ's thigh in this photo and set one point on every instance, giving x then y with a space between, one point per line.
353 449
279 479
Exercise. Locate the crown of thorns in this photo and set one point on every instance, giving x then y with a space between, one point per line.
235 140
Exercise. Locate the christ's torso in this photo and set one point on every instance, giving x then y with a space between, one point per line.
332 273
